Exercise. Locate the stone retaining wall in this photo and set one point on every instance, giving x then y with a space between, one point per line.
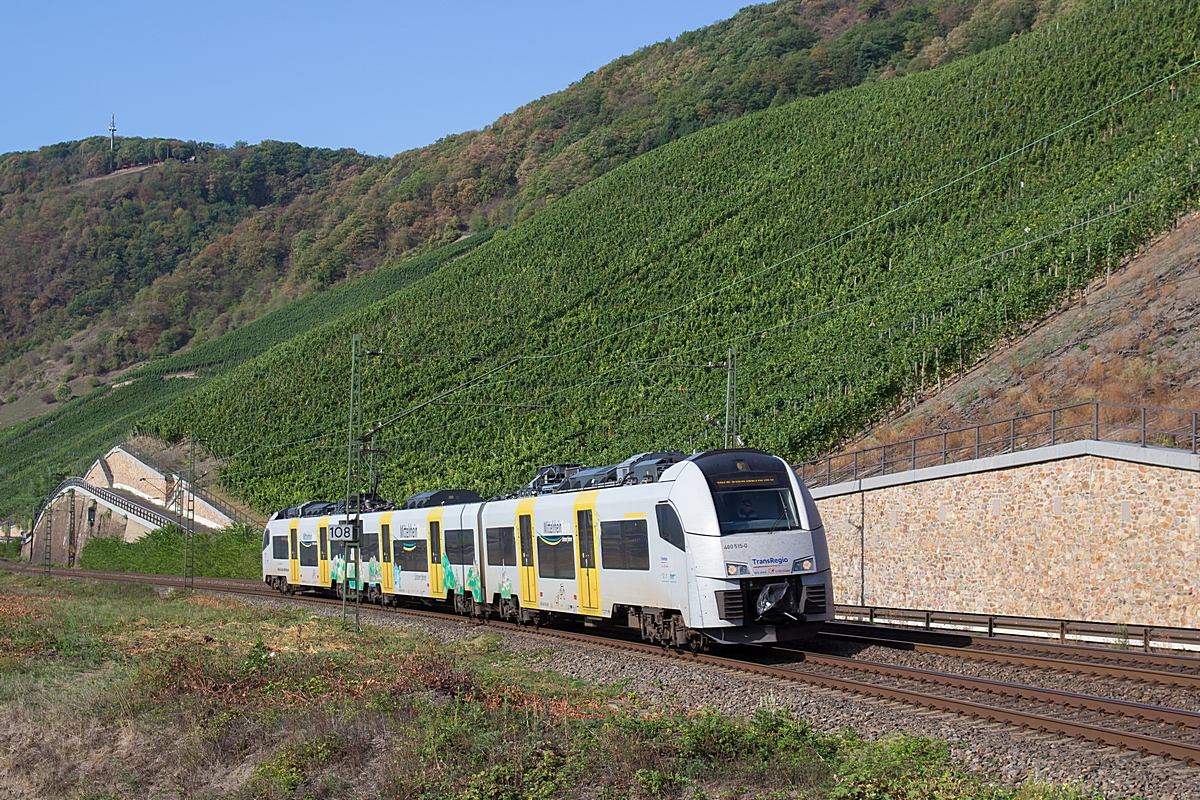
108 523
1089 537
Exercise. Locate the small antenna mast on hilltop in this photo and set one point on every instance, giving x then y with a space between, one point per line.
112 133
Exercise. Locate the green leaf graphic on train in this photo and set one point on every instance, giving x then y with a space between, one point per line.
473 585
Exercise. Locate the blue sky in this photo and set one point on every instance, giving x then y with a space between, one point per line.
378 77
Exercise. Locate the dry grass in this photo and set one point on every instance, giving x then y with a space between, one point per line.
237 703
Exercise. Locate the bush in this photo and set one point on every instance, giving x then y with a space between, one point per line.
230 553
63 393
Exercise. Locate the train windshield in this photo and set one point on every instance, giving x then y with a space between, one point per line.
756 511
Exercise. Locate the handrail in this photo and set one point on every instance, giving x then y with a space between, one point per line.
112 498
1146 426
208 497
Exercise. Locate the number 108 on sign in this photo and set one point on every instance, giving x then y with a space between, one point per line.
345 531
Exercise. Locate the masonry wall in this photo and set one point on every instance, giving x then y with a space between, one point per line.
128 472
108 524
1079 538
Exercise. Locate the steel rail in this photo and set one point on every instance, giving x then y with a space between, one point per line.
1145 674
1181 751
899 636
1125 708
1042 630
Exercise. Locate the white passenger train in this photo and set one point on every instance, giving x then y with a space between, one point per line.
725 545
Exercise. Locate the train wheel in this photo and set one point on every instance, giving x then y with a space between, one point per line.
462 604
374 595
510 609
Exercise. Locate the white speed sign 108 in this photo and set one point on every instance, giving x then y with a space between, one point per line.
345 530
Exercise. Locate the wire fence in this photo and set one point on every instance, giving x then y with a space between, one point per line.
1146 426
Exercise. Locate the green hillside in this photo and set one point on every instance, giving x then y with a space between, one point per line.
99 270
849 246
67 439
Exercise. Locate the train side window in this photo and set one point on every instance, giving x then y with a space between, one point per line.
385 539
460 546
587 540
279 547
670 529
624 544
323 538
370 547
412 555
556 557
308 554
337 550
501 547
526 522
435 543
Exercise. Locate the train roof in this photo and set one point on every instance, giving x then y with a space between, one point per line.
441 497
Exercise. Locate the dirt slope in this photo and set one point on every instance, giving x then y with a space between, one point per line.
1129 339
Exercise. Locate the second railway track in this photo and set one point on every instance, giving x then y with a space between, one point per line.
1163 668
1168 732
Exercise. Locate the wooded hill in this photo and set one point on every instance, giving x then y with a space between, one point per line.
850 246
140 264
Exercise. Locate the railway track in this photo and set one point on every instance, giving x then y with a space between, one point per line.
1167 732
1162 668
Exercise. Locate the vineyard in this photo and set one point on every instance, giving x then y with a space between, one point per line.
70 437
310 311
852 248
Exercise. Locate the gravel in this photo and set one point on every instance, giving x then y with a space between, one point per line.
1116 688
998 750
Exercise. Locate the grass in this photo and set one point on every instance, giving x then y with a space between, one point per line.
126 692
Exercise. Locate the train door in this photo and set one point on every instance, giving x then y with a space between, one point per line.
385 552
294 554
436 589
585 538
323 544
526 558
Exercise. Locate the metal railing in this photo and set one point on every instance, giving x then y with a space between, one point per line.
201 493
1144 637
1147 426
112 498
208 498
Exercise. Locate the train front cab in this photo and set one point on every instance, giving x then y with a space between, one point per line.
756 547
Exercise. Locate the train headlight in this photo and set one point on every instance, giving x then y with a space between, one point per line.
734 570
802 566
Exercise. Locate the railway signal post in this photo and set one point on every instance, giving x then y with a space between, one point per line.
346 531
